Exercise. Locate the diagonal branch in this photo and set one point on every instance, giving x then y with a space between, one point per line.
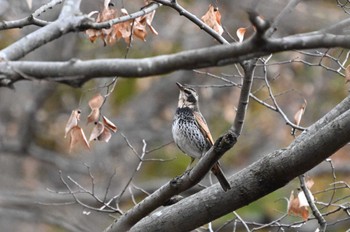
321 221
182 11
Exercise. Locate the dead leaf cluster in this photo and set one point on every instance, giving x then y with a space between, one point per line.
125 30
102 131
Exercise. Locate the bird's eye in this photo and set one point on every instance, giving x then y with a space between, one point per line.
187 92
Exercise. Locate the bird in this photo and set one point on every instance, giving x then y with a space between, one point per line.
191 133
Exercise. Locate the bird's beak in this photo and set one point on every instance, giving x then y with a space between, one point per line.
181 87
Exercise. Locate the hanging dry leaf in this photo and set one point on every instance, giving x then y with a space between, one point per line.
123 30
77 137
294 206
96 101
139 29
95 104
299 114
240 33
140 24
106 14
72 121
148 18
110 125
96 131
298 203
213 19
93 116
105 136
302 198
347 74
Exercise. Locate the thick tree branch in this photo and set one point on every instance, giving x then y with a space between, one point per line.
76 71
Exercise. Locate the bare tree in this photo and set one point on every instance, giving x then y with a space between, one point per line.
272 39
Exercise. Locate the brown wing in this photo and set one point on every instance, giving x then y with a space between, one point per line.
203 127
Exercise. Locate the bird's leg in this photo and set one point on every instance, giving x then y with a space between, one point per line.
189 167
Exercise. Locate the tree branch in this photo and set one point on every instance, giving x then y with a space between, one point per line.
76 72
321 221
182 11
249 67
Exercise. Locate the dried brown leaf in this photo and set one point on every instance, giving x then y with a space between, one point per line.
240 34
96 101
72 121
105 136
293 204
93 116
96 131
123 30
110 125
106 14
298 204
299 114
213 19
77 137
148 19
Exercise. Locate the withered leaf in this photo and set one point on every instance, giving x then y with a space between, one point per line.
299 114
105 136
96 101
240 33
93 116
213 19
124 29
295 208
77 137
298 203
110 125
72 121
96 131
107 13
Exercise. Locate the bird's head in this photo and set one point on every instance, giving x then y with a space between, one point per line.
188 97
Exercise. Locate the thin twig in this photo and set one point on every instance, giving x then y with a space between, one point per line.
321 221
241 220
183 12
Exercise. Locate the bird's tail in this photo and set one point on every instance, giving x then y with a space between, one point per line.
216 169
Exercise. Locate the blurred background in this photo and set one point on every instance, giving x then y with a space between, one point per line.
34 157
